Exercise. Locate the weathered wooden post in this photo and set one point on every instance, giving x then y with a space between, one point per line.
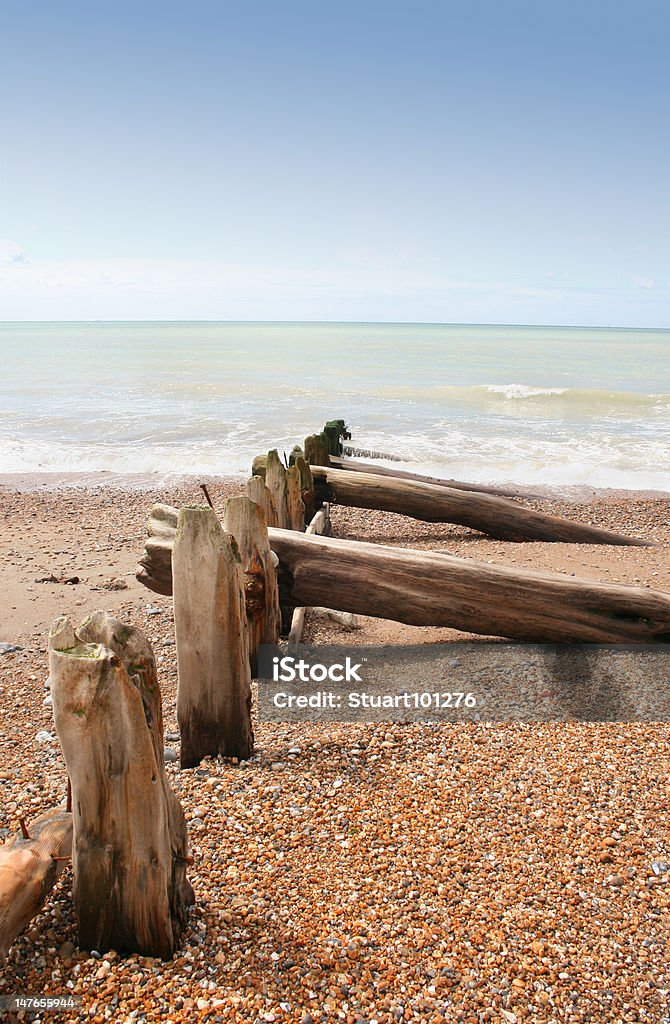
316 450
130 846
297 458
334 431
214 691
30 864
278 485
319 525
260 494
296 506
245 521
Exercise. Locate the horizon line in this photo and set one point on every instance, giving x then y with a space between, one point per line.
353 323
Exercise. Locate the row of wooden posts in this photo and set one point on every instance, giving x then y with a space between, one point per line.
123 828
239 581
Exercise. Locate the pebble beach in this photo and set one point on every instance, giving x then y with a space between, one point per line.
356 873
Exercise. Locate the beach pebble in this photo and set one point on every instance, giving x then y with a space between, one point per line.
6 648
150 610
116 584
44 737
660 867
48 700
170 755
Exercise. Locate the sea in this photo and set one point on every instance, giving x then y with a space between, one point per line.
527 405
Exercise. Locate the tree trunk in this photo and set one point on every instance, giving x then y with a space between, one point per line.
429 589
497 517
29 868
245 521
354 466
214 691
130 845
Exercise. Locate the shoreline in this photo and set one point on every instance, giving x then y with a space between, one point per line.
54 482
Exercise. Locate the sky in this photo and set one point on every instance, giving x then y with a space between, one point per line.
488 161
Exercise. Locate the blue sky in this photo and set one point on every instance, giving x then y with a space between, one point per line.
444 161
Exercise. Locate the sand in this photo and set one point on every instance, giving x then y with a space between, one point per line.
356 872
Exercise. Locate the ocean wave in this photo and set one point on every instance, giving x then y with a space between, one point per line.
633 462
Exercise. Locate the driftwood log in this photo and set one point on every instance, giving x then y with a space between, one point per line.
356 466
319 525
30 864
429 589
214 687
494 516
245 521
130 846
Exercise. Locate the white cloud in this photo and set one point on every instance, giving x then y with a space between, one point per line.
640 281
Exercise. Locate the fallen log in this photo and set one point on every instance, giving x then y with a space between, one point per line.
425 588
355 466
30 863
497 517
214 678
431 589
130 845
319 525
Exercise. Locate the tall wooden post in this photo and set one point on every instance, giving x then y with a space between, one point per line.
214 691
277 484
260 494
245 520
